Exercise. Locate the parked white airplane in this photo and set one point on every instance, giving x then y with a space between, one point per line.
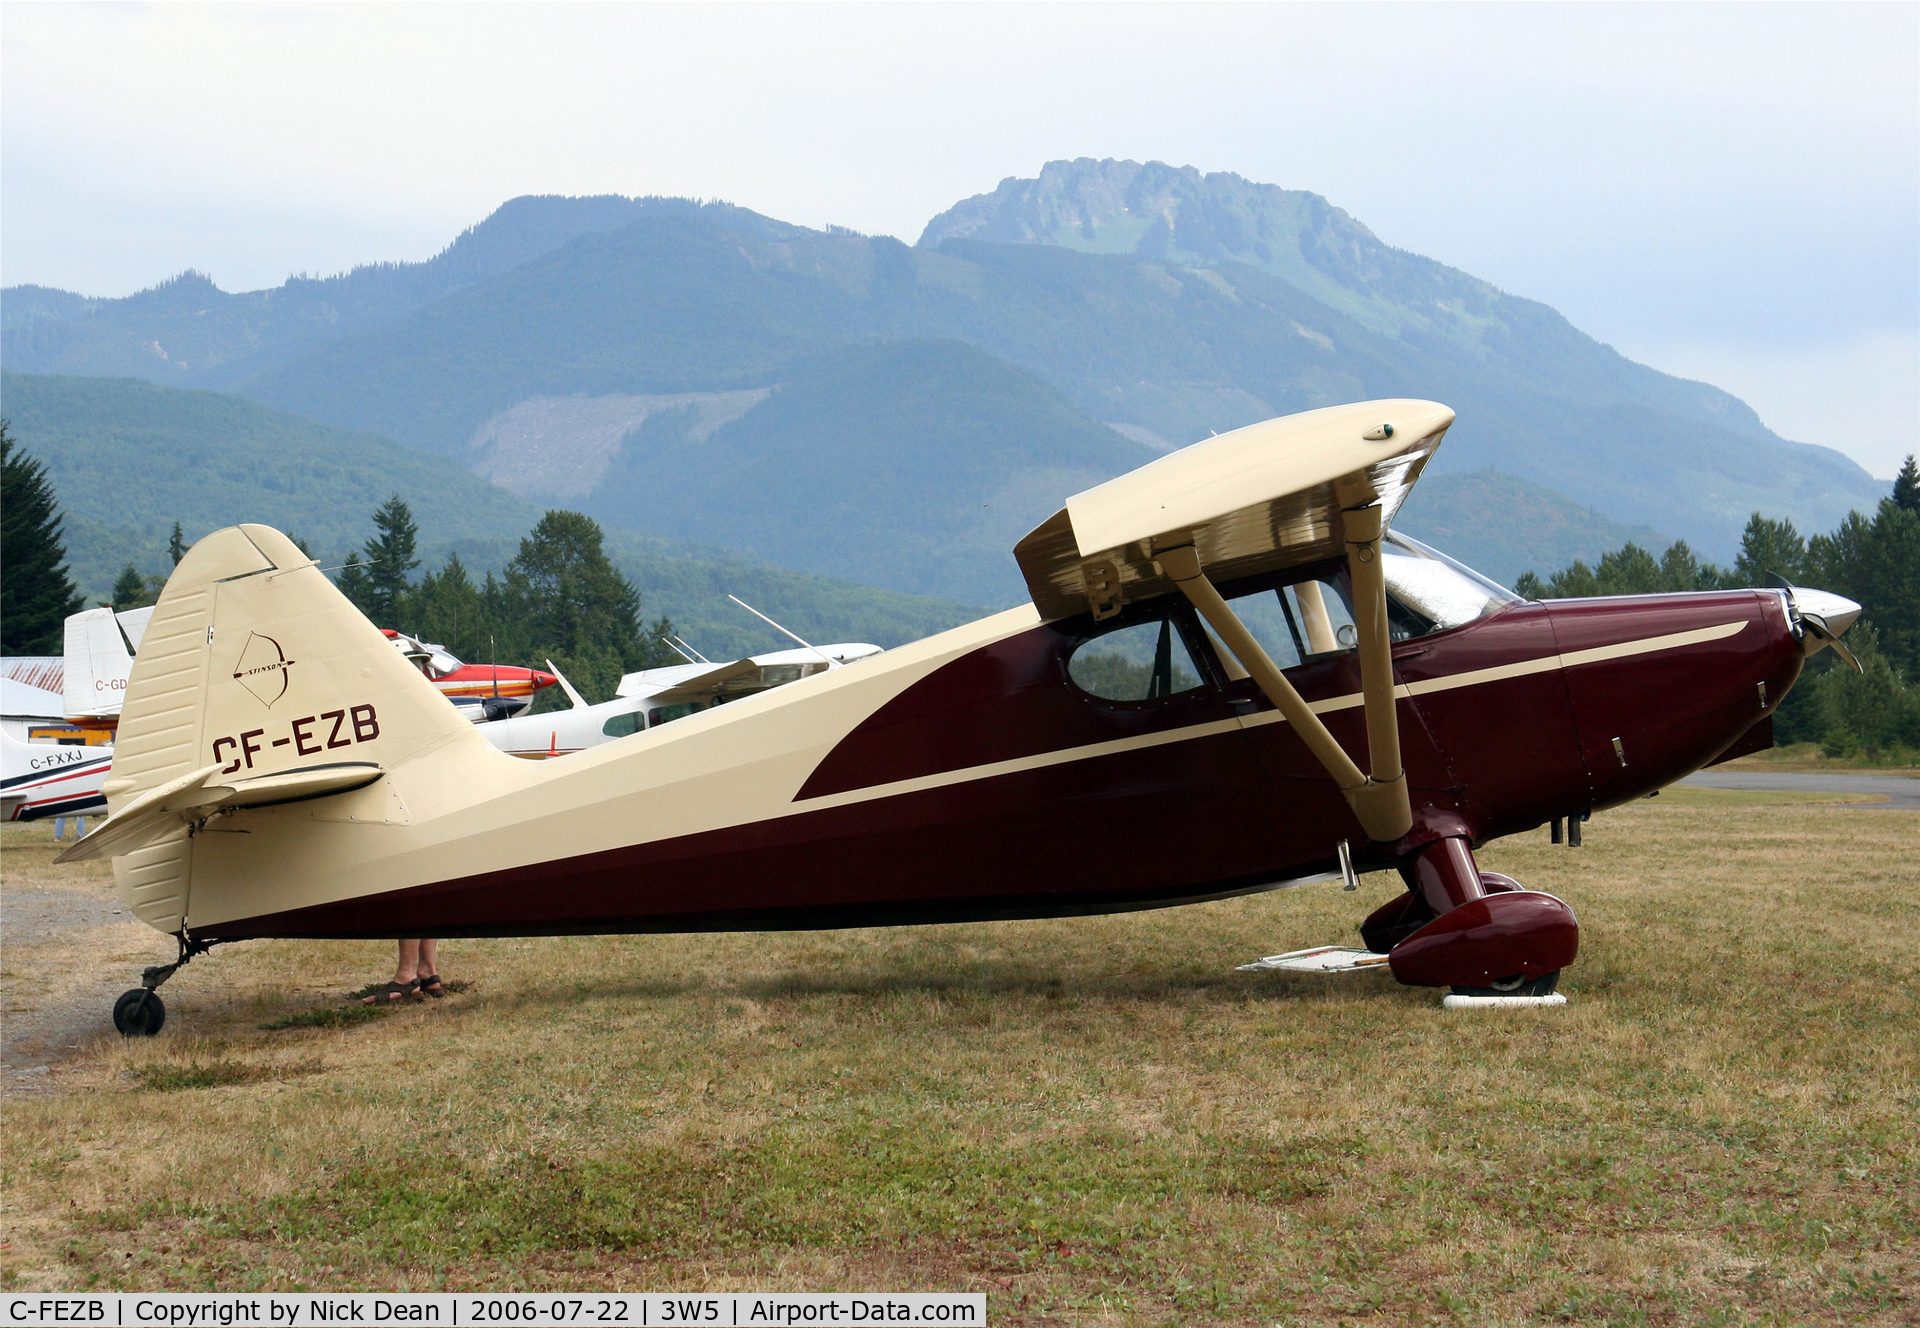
46 779
29 713
653 697
100 646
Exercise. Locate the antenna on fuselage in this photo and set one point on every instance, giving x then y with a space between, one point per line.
832 663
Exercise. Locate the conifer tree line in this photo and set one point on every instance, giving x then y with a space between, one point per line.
1873 561
559 599
36 594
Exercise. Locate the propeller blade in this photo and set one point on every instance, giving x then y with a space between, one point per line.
1818 626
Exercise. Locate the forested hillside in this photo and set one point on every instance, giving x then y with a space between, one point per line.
128 459
835 470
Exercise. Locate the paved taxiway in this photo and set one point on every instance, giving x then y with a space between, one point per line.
1899 791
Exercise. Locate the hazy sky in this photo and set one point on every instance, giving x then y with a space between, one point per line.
1724 191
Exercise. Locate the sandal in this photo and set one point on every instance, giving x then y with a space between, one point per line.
390 993
430 985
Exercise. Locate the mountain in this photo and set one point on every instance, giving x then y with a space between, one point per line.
128 459
720 375
1179 217
188 332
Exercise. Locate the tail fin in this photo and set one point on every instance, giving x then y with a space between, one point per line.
97 665
253 668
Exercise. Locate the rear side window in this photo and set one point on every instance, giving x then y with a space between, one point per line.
1144 662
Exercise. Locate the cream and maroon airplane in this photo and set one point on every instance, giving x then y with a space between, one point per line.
1214 641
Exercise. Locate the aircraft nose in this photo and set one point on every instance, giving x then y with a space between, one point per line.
547 679
1836 611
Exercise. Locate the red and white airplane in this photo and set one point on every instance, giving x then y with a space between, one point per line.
481 692
39 779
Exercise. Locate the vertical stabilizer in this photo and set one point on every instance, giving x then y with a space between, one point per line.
254 663
97 665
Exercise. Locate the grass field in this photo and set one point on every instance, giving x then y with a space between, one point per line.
1094 1121
1807 757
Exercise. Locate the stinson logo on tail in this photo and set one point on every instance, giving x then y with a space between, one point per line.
263 668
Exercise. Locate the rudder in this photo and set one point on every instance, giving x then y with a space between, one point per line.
255 664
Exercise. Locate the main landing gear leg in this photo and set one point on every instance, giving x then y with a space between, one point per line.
1477 932
140 1013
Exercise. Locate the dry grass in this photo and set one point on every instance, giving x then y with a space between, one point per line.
1094 1121
1808 757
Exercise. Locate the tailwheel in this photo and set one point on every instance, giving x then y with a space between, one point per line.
139 1013
1517 985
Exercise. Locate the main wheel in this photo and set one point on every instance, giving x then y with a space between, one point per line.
139 1013
1515 986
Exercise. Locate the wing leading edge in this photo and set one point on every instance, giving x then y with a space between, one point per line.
1258 499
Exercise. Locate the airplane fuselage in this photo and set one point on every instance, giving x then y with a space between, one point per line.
967 777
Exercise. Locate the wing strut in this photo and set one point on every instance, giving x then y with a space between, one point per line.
1379 802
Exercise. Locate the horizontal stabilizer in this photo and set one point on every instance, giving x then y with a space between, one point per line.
196 796
1319 959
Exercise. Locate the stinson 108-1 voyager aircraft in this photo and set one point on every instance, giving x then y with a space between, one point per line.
1215 643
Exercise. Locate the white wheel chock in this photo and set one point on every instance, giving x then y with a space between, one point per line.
1451 1002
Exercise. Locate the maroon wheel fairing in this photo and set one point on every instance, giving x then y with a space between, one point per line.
1517 933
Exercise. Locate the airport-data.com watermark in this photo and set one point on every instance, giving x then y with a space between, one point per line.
738 1309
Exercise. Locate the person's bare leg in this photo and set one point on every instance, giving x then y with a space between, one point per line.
429 968
406 968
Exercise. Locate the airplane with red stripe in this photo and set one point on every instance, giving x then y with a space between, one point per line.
482 692
39 779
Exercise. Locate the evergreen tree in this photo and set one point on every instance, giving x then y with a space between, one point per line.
1629 570
130 591
446 607
564 600
352 582
1680 571
36 594
1575 582
390 561
1874 713
1891 592
1906 487
1770 548
176 545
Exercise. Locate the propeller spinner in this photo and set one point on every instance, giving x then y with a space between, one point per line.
1819 618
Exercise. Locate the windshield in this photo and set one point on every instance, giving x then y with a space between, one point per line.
1439 592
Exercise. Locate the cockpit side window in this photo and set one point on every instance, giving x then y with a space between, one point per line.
1146 661
1297 623
624 724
